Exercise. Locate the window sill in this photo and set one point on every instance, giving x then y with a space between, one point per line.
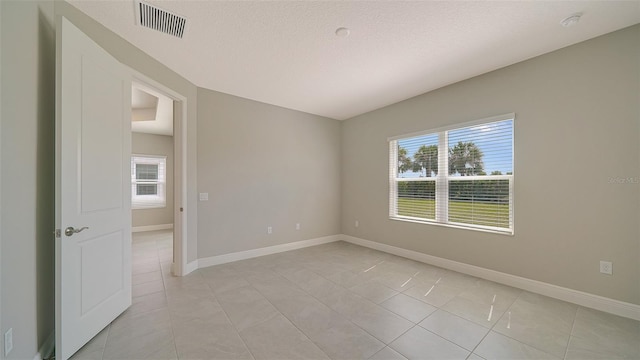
148 207
508 232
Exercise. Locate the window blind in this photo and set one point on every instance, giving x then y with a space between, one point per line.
148 181
458 176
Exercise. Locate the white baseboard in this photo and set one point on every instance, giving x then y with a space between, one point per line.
46 350
151 227
190 267
248 254
597 302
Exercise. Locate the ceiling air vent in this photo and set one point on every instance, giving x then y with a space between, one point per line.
161 20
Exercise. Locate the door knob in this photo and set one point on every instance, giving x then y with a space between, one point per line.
70 230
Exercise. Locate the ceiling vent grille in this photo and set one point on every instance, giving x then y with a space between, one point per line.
161 20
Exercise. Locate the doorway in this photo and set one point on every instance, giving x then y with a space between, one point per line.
158 121
152 188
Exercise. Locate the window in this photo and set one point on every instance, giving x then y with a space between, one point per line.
148 174
461 177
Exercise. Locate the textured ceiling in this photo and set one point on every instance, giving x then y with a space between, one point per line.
286 53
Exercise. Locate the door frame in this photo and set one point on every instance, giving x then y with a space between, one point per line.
178 267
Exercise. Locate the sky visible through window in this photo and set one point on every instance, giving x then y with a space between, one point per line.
495 141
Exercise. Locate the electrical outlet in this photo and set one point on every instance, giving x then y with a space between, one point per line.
269 230
8 342
298 226
357 223
606 267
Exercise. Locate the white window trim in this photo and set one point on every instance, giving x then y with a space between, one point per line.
139 202
442 179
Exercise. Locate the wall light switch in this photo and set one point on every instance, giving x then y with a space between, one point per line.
204 197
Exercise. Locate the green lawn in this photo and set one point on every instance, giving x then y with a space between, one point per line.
462 212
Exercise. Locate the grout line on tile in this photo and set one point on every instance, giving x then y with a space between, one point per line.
573 324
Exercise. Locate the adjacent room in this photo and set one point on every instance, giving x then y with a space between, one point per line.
319 179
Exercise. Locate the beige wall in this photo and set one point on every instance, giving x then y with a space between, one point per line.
264 165
26 210
577 126
161 145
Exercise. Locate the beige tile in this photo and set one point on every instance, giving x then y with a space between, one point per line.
398 281
433 294
287 296
276 289
604 333
145 268
147 288
145 260
94 349
149 302
212 337
301 305
222 282
321 288
542 305
146 277
408 307
203 307
327 268
538 321
584 349
345 302
497 346
475 357
350 279
374 291
419 343
381 323
459 280
462 332
387 354
344 340
488 292
190 281
186 296
482 314
137 325
157 344
246 307
277 338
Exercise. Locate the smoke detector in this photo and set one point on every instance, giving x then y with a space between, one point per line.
155 18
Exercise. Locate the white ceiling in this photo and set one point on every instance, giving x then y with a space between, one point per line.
286 53
151 111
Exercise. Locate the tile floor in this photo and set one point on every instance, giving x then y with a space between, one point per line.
342 301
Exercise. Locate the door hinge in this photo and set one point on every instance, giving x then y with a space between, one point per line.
58 233
181 209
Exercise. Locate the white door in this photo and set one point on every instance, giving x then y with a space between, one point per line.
93 189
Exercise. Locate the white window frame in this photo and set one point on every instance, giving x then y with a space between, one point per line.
442 178
158 200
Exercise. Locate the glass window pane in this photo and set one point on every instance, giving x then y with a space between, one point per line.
485 149
417 199
479 202
146 189
418 156
147 171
